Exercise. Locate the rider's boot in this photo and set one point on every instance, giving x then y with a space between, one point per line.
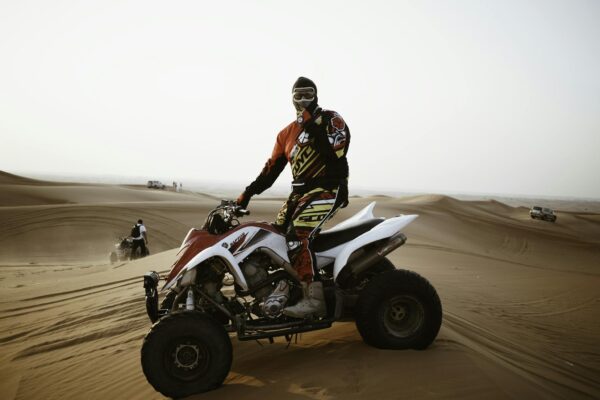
312 304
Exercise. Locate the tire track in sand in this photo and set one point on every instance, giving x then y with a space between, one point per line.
541 370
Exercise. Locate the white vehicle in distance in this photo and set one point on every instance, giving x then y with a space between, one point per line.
155 185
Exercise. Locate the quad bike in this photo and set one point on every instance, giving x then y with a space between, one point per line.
122 251
225 276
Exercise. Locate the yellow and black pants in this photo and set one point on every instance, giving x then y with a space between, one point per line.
301 217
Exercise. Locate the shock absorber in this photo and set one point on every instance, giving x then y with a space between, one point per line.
190 302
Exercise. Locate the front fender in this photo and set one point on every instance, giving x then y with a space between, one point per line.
215 251
384 230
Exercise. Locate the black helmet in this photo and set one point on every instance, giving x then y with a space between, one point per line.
304 95
303 82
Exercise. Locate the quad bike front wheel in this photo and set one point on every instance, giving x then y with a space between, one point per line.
398 310
186 353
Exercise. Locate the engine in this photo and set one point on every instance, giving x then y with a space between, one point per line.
272 298
255 271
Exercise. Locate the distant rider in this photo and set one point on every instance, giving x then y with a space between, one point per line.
140 239
315 145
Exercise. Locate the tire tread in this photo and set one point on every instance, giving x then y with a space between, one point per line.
175 322
387 285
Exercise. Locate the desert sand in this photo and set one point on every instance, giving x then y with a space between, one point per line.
521 301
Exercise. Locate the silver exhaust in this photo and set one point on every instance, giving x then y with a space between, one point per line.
359 262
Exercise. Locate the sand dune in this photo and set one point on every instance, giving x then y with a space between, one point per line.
521 302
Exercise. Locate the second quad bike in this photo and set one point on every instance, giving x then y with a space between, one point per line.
224 282
123 248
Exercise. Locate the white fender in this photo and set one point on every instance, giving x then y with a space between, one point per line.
386 229
213 251
364 214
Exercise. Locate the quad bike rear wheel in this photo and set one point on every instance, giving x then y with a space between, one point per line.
398 310
186 353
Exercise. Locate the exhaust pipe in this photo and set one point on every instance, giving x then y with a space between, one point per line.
363 262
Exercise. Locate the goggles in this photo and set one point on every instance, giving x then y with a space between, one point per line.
304 93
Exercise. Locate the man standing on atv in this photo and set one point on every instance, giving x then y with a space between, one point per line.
315 145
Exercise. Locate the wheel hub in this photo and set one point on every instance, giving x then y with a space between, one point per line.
187 356
403 315
398 312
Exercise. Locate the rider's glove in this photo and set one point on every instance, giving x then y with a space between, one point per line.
243 200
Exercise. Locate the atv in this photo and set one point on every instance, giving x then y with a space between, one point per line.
224 274
122 251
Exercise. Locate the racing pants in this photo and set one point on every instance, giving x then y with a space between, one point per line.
301 218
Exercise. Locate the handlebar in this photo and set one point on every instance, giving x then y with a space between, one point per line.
224 217
242 211
233 207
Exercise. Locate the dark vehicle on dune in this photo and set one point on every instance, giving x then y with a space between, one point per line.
543 213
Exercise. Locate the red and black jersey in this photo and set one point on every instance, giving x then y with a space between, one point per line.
315 146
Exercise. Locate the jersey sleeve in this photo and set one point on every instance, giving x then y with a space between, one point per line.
332 139
272 169
338 135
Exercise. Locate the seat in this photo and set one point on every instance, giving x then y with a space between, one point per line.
330 239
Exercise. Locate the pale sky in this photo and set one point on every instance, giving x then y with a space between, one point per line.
440 96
